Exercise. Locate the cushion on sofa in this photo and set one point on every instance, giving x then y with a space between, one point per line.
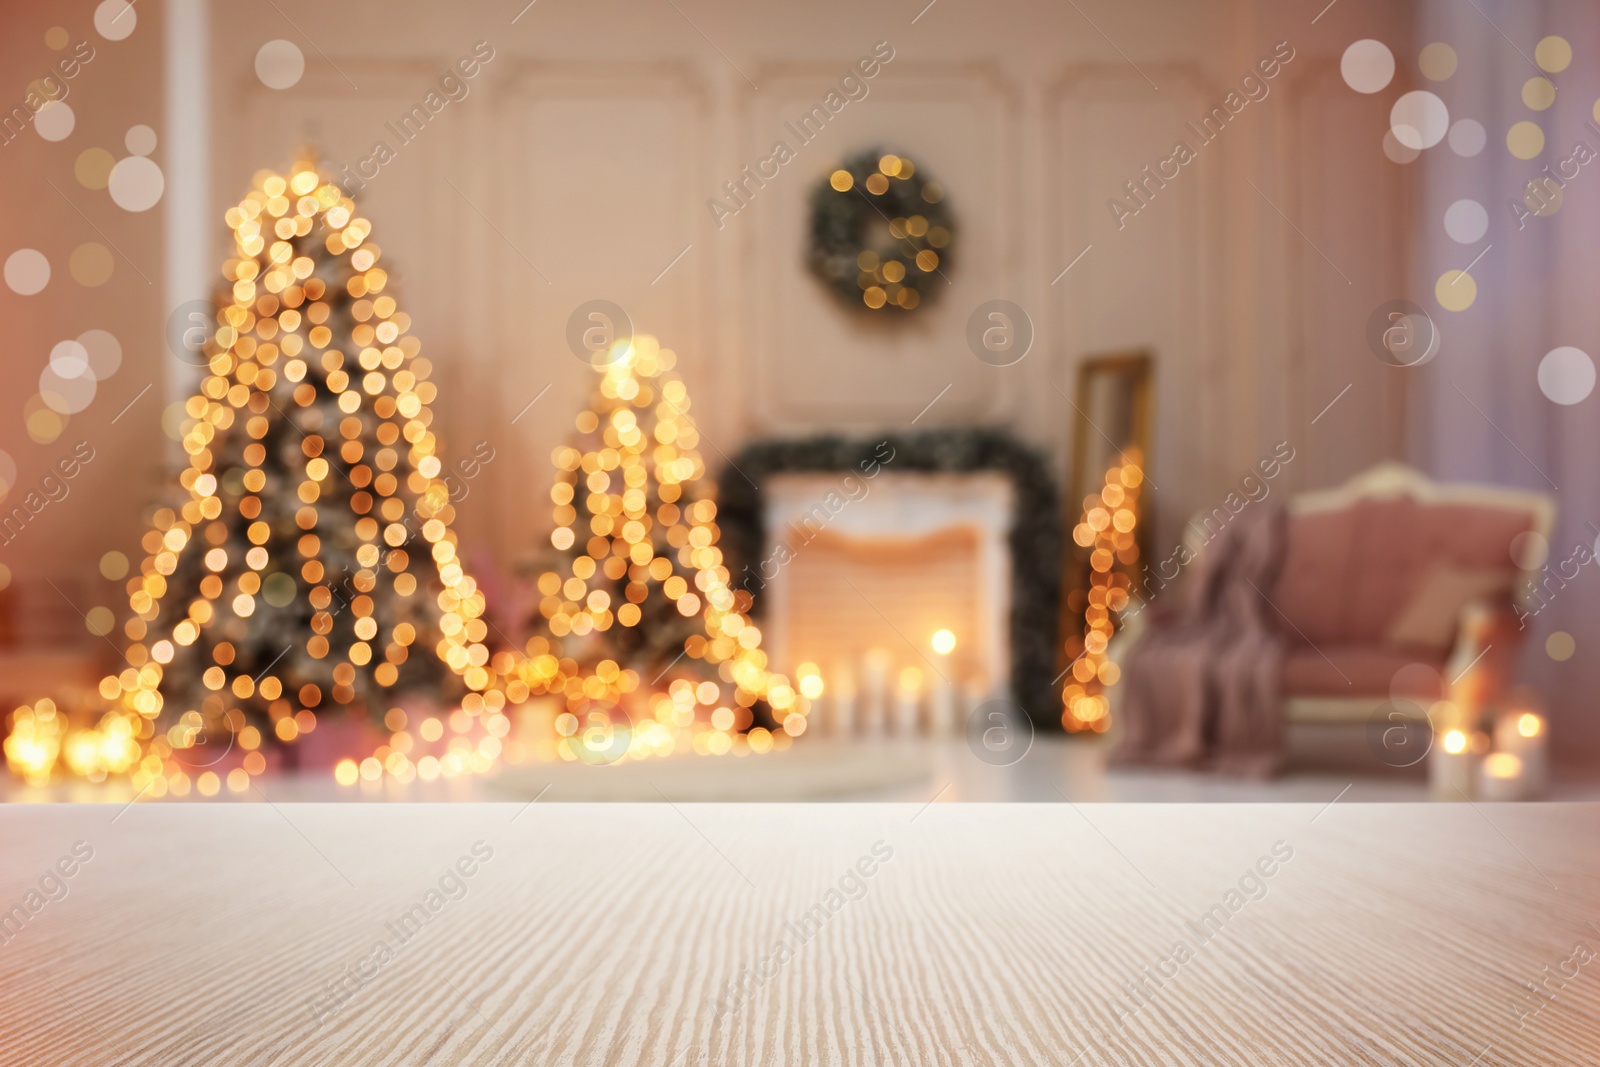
1433 615
1350 574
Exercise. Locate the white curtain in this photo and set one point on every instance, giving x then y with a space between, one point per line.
1478 410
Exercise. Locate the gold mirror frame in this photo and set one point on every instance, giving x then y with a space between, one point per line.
1099 437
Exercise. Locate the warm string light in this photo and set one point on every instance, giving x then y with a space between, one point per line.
1107 531
625 508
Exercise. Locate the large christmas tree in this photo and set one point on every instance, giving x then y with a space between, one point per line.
641 616
308 566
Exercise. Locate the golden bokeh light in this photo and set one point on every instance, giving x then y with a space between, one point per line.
1538 93
1107 532
1553 54
91 264
1543 197
1437 62
1456 290
1525 139
93 168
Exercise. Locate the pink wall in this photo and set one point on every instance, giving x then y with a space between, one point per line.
47 209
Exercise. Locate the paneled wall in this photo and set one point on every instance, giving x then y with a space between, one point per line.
47 209
580 166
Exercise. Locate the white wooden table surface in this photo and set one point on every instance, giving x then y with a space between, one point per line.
668 934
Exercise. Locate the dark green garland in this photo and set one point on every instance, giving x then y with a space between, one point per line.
1035 540
885 250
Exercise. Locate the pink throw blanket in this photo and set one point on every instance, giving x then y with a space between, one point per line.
1201 687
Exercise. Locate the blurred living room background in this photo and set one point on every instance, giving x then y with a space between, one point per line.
1105 401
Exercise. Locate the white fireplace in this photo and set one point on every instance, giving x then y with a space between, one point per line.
861 574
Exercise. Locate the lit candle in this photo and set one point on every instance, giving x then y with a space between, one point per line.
1469 690
1450 767
908 703
808 678
875 666
942 698
1500 777
942 709
1523 734
842 706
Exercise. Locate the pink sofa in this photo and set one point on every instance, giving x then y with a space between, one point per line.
1375 583
1389 588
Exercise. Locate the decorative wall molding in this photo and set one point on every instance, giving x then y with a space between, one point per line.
1105 303
818 365
1319 329
572 141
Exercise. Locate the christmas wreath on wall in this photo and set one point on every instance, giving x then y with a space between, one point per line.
880 233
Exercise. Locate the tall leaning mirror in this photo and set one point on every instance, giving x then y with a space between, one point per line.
1108 523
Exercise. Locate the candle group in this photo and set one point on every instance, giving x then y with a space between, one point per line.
1521 737
877 696
1451 766
1512 764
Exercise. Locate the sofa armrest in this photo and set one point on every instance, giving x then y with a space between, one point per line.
1117 650
1126 636
1488 644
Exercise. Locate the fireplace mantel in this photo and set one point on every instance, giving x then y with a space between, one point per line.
1034 536
910 554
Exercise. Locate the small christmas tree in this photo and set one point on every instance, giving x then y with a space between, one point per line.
311 551
1108 551
642 613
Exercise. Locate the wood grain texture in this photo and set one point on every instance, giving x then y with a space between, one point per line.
608 934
